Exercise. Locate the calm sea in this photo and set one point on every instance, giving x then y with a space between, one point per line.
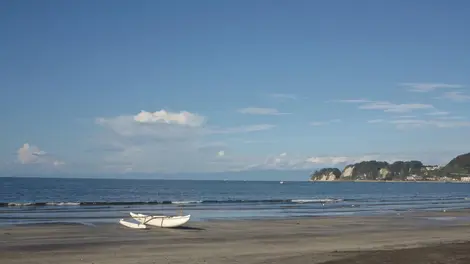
39 200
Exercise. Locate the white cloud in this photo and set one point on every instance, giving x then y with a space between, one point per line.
428 87
162 116
313 162
284 161
334 160
127 126
197 155
329 160
167 125
341 161
278 162
163 141
30 154
260 111
322 123
456 96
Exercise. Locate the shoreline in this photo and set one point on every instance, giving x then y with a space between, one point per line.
388 215
255 219
292 241
391 181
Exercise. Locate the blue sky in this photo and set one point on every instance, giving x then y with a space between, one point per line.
209 86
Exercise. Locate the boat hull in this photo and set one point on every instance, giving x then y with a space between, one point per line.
129 224
161 220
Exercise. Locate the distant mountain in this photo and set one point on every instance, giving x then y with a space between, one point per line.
459 164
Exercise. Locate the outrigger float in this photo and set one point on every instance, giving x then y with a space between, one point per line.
142 220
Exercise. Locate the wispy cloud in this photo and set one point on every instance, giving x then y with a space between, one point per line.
390 157
450 117
428 87
438 113
285 161
375 121
161 140
406 116
419 123
241 129
395 108
260 111
257 141
386 106
322 123
353 101
456 96
283 96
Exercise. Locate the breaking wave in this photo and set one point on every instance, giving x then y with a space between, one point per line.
317 201
118 203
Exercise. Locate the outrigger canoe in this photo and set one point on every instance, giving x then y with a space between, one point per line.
161 220
136 225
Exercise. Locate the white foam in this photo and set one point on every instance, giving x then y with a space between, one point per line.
316 200
185 202
20 204
63 203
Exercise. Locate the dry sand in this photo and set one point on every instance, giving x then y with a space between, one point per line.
380 239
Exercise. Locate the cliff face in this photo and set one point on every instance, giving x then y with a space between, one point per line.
380 170
326 174
347 172
366 170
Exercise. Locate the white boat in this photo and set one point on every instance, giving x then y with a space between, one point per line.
135 225
161 220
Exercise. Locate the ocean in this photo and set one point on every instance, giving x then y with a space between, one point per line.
92 201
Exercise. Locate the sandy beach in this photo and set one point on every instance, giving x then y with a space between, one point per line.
439 237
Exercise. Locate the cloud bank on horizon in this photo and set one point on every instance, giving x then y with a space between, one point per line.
165 141
234 92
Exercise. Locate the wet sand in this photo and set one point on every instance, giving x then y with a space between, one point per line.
400 239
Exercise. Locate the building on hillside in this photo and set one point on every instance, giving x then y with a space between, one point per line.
414 177
465 179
